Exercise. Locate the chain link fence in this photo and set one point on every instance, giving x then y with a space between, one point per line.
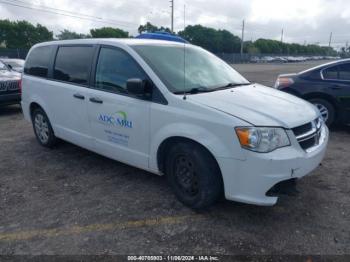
231 58
234 58
13 53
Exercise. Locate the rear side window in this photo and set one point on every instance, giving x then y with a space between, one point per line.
38 61
344 71
331 73
114 68
73 64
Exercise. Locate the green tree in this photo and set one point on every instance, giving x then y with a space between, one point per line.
250 48
148 27
216 41
228 42
268 46
22 34
345 51
108 32
66 34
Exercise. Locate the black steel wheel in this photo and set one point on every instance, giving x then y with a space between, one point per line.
194 175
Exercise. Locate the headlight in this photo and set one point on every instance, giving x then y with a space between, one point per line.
262 139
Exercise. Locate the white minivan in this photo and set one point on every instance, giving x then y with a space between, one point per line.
173 109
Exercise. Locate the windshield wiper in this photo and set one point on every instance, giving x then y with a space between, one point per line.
194 90
229 85
203 89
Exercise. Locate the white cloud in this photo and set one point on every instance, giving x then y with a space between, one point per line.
278 10
303 20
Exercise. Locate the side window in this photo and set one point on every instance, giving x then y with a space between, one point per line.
73 64
114 68
38 61
344 71
331 73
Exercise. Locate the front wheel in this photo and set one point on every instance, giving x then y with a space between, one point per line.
194 175
326 109
43 129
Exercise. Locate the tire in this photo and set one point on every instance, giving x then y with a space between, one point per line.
43 129
327 110
194 175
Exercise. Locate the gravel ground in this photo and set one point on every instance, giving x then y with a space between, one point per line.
71 201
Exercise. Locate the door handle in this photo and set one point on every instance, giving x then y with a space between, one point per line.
335 87
79 96
96 100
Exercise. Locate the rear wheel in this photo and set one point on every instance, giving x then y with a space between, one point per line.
326 109
43 129
194 175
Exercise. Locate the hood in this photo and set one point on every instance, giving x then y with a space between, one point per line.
6 75
17 69
259 105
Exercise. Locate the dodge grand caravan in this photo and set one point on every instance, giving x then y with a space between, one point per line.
174 109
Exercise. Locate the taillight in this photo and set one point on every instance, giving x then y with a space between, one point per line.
283 82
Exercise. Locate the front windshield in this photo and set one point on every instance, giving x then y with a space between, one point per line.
2 66
203 71
15 63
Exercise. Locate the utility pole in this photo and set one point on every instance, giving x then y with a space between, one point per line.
282 41
282 36
242 41
172 15
330 39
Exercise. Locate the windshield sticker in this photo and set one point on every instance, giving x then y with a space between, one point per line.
118 119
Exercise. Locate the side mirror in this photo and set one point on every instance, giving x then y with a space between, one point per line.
10 66
136 86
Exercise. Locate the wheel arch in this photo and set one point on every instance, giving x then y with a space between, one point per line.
330 99
37 102
324 96
32 107
170 141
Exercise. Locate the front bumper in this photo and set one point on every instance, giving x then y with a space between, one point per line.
249 180
10 99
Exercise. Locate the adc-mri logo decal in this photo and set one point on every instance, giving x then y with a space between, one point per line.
119 118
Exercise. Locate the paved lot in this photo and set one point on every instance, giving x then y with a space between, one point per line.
71 201
266 74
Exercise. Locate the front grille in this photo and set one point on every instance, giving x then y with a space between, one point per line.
308 135
299 130
306 144
9 86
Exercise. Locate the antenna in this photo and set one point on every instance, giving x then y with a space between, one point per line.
330 39
184 97
282 35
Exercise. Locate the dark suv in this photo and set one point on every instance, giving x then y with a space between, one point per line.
326 86
10 86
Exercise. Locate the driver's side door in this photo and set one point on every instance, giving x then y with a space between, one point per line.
342 90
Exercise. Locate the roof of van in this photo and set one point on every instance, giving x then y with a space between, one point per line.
126 41
162 36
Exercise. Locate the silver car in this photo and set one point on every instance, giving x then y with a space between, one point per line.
10 86
14 64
